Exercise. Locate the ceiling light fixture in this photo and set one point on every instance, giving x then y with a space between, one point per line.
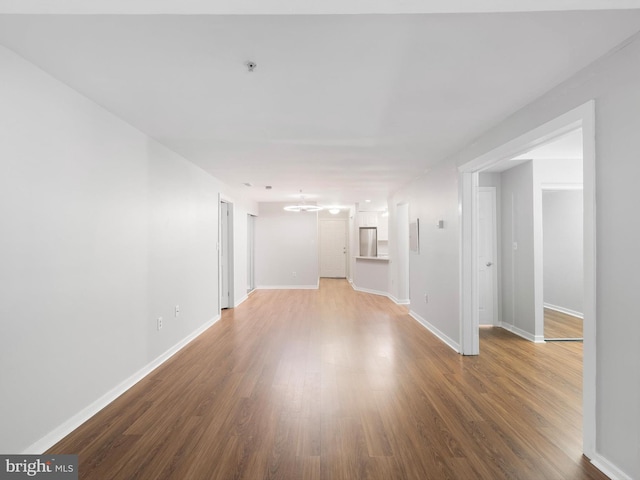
334 211
302 206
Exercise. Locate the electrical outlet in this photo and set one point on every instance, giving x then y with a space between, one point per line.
159 323
294 274
177 310
426 298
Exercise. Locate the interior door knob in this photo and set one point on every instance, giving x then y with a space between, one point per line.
489 264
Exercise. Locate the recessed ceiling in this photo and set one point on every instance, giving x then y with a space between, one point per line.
344 107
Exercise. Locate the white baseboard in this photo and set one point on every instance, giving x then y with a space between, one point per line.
451 343
399 302
378 292
239 302
522 333
85 414
287 287
609 469
374 292
567 311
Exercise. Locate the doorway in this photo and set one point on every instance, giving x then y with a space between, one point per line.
583 118
402 232
562 217
251 253
226 255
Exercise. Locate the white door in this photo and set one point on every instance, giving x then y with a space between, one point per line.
333 248
251 222
225 258
487 255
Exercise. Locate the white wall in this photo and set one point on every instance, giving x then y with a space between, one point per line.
555 173
612 82
104 230
434 270
399 251
562 213
560 173
181 257
517 254
521 221
371 276
286 242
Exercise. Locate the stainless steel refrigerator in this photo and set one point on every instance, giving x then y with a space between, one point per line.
368 242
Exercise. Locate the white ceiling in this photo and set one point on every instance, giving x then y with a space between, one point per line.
303 7
344 107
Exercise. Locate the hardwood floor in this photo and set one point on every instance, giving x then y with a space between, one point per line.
336 384
561 325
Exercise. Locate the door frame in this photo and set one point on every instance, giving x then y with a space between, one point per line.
251 253
402 237
580 117
321 222
229 239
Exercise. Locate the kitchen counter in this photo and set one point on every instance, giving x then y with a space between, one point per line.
379 259
371 274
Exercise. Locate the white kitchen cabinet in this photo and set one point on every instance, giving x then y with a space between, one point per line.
367 219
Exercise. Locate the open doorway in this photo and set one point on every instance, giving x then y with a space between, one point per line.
562 230
251 253
582 118
540 237
226 255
